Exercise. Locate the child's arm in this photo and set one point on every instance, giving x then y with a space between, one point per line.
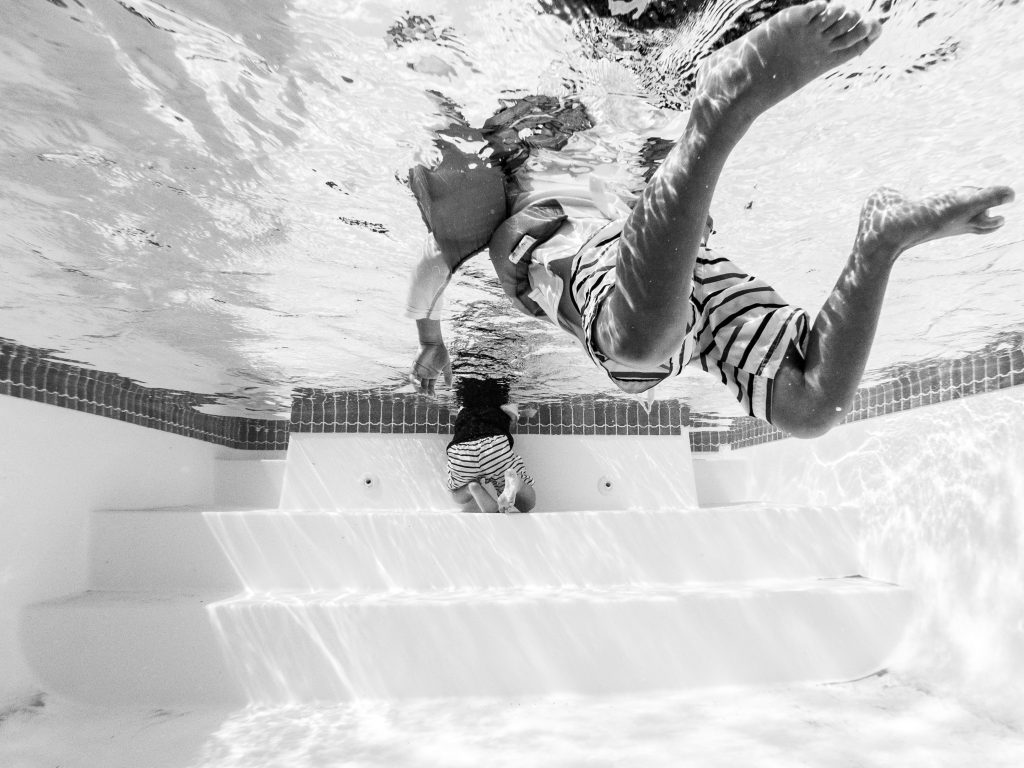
429 278
433 360
516 413
427 283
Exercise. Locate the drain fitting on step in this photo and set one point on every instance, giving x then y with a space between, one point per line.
605 485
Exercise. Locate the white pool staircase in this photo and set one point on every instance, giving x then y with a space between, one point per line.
365 582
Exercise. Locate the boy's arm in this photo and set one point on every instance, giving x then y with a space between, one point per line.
516 413
433 359
427 283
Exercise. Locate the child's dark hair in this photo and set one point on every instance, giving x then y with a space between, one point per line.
471 393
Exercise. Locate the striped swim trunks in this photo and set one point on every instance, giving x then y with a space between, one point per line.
485 459
738 329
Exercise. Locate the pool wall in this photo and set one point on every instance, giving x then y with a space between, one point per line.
940 495
938 490
57 466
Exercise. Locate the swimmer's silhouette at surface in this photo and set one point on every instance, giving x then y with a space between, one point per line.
639 290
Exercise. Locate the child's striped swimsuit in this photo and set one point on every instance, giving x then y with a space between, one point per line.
485 459
481 449
738 329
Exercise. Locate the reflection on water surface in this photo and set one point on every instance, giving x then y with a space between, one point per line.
212 201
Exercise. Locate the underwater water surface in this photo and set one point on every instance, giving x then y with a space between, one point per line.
211 200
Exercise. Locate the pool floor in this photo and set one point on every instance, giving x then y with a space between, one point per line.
880 721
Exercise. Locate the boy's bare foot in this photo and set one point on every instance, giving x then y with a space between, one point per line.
890 223
780 56
513 485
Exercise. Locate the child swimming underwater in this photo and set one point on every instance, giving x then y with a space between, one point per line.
480 452
638 290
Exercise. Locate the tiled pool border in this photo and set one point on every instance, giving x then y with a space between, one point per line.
34 374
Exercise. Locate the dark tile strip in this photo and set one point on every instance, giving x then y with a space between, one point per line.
998 365
380 410
33 374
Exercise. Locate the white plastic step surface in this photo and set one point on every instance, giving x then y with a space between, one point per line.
111 648
519 642
249 481
331 472
114 648
167 550
207 605
371 551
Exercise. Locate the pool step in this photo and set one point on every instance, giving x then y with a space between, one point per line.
380 550
113 648
212 605
122 647
263 550
172 549
362 471
248 481
581 641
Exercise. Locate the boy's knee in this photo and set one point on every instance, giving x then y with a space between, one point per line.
644 351
809 423
631 335
525 505
799 407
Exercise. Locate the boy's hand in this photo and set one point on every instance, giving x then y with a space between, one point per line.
432 361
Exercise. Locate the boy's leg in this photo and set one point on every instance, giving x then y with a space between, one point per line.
484 500
812 394
475 494
643 320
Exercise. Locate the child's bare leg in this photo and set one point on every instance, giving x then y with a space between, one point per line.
518 495
476 497
643 321
483 499
813 394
